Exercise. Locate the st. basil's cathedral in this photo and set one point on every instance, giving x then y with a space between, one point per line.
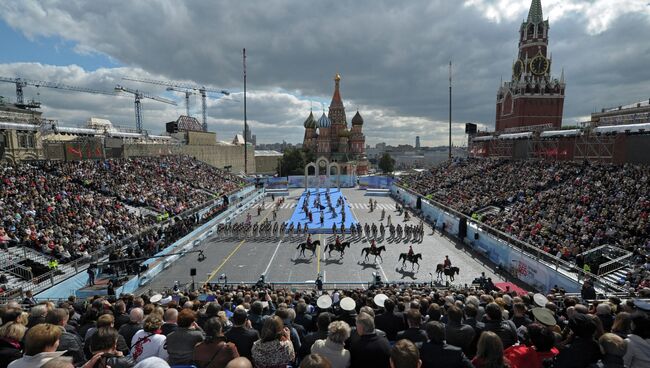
330 137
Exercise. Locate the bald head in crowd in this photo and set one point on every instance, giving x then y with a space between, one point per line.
136 315
240 362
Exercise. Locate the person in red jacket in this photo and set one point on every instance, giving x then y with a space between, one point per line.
539 349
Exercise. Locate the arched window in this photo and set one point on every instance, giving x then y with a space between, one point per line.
531 31
540 30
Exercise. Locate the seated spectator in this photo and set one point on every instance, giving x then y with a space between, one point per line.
240 362
413 332
489 352
274 348
41 342
11 337
457 333
542 339
180 343
333 348
315 361
149 342
370 350
170 317
613 348
241 334
435 353
581 349
638 342
214 352
69 343
134 325
323 321
505 329
390 322
404 354
104 342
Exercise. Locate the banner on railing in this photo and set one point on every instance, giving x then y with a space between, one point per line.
375 182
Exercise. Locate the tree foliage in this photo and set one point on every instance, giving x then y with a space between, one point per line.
386 163
294 160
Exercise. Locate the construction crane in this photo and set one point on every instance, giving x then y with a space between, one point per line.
138 97
22 82
187 93
203 91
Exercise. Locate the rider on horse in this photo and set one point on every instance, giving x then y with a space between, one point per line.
373 245
447 262
337 241
309 240
410 251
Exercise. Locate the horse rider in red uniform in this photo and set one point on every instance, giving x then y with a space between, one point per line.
447 263
373 245
309 240
337 241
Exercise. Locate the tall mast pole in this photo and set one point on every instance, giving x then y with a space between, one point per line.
245 120
450 110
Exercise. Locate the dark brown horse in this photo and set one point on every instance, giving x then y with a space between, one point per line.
449 271
368 251
329 248
414 259
312 247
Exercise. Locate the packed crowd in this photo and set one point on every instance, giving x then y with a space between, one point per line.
399 326
564 208
69 209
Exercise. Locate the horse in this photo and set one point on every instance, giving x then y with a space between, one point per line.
312 247
450 271
377 252
329 248
414 259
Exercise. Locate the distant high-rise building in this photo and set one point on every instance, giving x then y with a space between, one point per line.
417 141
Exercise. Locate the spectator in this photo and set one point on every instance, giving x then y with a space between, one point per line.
390 322
436 354
581 349
105 320
315 361
457 333
604 313
405 355
11 337
240 362
149 342
241 334
136 316
333 348
303 318
69 343
489 353
622 324
542 339
41 342
638 342
520 317
413 332
505 329
121 318
613 348
170 317
104 342
370 350
214 352
180 343
274 348
322 322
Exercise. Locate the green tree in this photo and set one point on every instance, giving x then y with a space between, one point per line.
293 161
386 163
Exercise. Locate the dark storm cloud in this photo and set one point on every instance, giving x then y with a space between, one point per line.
393 56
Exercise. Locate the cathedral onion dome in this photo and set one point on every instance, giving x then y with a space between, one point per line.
324 121
344 133
310 122
357 119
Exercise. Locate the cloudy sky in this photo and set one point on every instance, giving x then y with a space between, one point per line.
393 57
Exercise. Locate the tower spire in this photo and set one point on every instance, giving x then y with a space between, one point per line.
336 98
535 14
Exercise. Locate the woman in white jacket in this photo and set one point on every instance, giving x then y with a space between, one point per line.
149 341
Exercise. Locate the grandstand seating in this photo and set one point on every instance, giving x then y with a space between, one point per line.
563 208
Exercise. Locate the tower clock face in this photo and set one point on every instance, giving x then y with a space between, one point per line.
517 68
539 65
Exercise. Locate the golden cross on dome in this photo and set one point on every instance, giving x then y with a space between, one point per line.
337 77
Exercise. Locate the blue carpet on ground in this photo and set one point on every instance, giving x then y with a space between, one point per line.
300 217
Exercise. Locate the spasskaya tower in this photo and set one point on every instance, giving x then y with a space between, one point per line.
532 98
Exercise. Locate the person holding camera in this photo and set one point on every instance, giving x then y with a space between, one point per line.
104 341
